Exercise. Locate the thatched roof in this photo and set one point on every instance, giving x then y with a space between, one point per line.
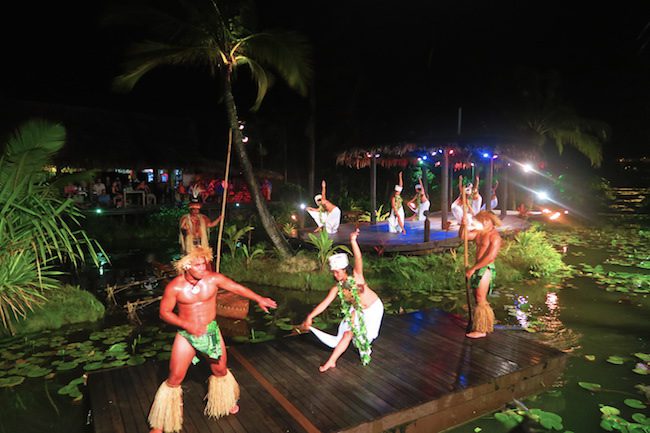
464 153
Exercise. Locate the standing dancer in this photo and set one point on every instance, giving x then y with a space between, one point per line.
361 307
327 214
481 275
194 292
396 218
472 205
420 203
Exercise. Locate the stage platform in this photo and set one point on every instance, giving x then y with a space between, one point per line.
425 376
376 237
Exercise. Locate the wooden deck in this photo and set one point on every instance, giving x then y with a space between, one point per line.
424 376
376 237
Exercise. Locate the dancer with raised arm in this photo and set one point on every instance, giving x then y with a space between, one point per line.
361 308
327 214
194 293
420 203
396 218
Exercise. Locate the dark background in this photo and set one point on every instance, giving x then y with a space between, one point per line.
385 71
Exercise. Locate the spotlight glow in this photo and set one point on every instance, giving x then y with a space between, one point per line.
303 206
542 195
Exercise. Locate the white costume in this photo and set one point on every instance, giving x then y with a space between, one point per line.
331 220
393 221
474 204
371 316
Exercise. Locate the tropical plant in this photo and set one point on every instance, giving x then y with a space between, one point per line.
545 118
232 237
38 228
250 254
203 33
379 214
289 229
325 247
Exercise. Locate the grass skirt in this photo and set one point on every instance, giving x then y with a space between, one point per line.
223 394
483 318
167 409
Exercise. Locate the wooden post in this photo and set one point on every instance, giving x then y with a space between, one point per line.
503 189
224 200
373 188
488 187
427 229
444 189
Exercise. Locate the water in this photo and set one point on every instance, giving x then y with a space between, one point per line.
577 315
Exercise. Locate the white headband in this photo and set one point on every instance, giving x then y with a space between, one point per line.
398 188
317 198
338 261
418 186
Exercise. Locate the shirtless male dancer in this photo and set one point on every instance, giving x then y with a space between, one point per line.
194 293
482 274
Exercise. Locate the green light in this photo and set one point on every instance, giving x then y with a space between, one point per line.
98 211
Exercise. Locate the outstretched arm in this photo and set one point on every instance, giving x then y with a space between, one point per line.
228 284
320 307
358 259
322 190
215 222
401 183
424 191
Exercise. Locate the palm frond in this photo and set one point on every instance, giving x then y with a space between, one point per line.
259 77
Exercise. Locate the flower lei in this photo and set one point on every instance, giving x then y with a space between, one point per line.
359 334
398 201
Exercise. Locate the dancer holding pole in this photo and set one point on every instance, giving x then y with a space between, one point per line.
481 275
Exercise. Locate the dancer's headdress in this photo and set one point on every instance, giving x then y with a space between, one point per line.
338 261
318 198
398 188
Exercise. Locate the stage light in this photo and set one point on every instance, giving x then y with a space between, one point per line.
555 216
486 155
98 211
236 204
451 152
495 156
244 139
377 155
424 157
542 195
527 167
440 151
294 217
303 206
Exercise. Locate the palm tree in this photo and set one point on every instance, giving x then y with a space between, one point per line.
39 229
205 36
546 119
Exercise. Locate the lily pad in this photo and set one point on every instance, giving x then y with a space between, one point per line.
609 410
164 356
136 360
590 357
590 386
641 418
64 366
645 357
37 371
93 366
634 403
641 371
617 360
10 381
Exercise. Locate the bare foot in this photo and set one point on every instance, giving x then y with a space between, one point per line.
234 409
403 232
326 366
475 334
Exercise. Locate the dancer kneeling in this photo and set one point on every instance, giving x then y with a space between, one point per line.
194 292
361 307
482 274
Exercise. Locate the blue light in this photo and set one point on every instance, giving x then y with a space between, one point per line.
486 155
439 150
424 157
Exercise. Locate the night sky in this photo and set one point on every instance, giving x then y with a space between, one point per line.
385 71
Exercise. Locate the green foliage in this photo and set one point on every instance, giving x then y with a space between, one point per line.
249 255
530 254
379 214
38 228
325 247
232 237
64 306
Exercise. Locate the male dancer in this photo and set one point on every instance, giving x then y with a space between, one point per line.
194 292
194 227
361 307
482 274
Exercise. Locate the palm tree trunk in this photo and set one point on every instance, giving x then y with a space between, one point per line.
271 228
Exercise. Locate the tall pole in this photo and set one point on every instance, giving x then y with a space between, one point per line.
488 187
444 188
505 175
373 188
